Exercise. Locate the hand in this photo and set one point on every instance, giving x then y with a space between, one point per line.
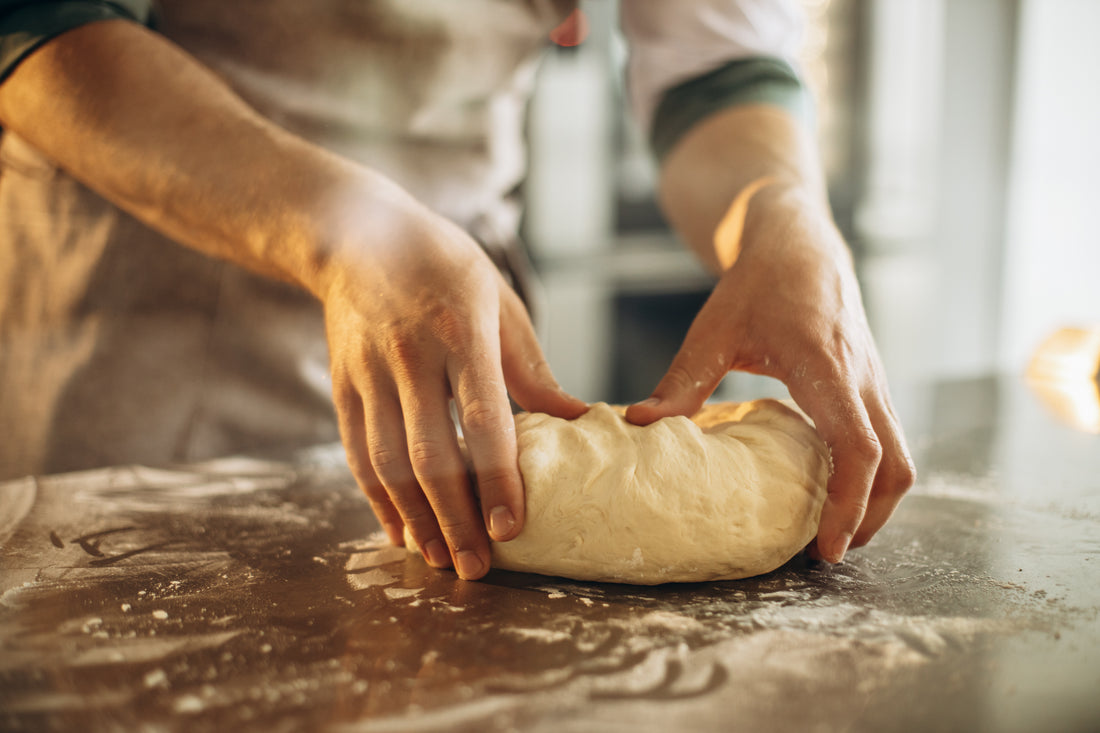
789 307
413 322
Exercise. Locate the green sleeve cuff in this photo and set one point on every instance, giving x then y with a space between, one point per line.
25 25
744 81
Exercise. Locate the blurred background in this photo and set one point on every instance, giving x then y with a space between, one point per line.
959 140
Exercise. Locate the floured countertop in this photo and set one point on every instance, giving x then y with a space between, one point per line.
247 594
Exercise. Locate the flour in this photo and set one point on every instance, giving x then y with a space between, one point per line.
393 593
546 636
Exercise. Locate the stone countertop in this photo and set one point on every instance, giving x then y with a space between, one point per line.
255 594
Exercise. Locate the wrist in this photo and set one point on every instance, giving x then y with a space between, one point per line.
348 222
786 218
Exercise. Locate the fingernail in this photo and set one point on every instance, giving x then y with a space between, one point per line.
501 521
839 548
468 564
651 402
436 554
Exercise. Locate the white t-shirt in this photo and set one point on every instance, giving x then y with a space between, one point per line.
674 41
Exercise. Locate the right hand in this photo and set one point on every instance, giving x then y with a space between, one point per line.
413 322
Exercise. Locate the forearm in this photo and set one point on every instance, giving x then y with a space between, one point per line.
148 127
724 180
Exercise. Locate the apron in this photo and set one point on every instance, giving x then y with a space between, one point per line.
120 346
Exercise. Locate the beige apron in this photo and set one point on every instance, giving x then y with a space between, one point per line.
118 346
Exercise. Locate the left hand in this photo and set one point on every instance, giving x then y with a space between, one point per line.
789 307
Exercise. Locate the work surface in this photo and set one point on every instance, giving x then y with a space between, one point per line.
250 594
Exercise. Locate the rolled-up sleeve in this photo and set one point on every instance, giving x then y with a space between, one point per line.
27 24
691 58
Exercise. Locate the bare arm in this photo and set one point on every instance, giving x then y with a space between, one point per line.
415 311
745 191
137 119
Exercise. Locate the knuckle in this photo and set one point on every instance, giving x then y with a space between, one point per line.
460 532
389 465
404 350
495 479
450 326
485 416
908 476
866 446
427 457
418 517
903 474
438 470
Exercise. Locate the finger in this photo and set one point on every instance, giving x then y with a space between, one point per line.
350 416
526 372
389 457
490 433
896 473
701 363
844 425
437 464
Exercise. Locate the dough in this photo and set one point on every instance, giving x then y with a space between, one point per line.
734 492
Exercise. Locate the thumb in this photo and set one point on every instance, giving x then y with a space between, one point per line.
526 372
702 362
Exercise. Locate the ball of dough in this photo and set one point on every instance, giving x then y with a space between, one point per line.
735 491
